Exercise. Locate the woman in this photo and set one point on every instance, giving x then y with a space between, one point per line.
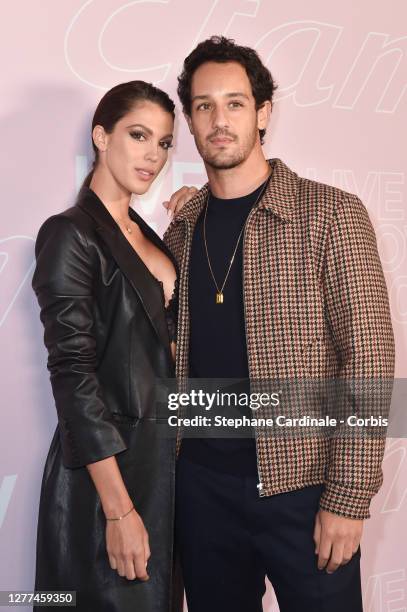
106 285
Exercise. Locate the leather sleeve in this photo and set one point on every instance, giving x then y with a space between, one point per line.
62 281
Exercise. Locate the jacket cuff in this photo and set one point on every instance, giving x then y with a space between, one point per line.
79 448
351 503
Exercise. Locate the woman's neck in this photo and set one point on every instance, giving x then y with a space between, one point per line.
115 199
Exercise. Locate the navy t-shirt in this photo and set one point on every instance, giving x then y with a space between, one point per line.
217 331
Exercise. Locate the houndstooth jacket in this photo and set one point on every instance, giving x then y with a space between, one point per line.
316 306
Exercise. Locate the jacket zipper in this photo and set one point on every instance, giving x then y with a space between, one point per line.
172 593
251 213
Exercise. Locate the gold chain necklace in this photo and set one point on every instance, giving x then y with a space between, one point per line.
219 292
128 227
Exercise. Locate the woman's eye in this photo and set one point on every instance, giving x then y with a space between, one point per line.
166 145
137 135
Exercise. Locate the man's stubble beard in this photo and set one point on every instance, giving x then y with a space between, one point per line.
223 160
232 160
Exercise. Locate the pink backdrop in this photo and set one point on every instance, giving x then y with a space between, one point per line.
338 117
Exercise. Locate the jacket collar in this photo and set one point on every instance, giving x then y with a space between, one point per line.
279 197
143 282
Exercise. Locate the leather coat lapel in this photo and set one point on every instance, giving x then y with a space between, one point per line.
147 287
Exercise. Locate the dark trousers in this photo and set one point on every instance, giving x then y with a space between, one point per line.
229 539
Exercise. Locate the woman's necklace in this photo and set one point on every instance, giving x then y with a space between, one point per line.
126 225
219 292
128 228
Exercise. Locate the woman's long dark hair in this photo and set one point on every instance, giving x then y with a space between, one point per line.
120 100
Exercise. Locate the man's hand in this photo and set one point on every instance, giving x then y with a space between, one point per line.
336 539
179 199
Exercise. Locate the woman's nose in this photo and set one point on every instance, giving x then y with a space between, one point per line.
152 152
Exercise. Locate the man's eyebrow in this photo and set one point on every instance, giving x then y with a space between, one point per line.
236 94
233 94
145 128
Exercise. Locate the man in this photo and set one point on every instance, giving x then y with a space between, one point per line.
280 279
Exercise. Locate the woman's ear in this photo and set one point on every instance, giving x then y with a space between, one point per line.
100 137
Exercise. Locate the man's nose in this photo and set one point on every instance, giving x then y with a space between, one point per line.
219 118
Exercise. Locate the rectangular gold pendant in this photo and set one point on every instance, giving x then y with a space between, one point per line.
219 298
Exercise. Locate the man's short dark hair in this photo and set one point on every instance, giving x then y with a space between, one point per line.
221 49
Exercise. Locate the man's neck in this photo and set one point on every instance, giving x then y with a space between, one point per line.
241 180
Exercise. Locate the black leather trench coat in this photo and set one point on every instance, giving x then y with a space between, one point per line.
107 338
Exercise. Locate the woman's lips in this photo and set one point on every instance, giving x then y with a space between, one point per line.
144 175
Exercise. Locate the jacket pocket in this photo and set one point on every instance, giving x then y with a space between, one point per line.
314 357
320 358
125 419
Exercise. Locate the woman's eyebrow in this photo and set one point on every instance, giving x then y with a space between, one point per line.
140 125
145 128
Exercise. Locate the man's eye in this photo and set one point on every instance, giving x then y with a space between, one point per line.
235 104
137 135
203 106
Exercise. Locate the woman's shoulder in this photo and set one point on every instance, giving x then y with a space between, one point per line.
71 220
70 225
62 253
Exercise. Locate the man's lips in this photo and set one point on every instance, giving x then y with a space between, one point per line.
221 140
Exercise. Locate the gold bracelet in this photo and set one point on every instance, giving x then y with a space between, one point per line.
119 518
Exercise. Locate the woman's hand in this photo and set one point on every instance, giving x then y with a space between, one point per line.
179 199
127 539
127 546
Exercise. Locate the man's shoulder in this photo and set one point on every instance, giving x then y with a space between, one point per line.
323 206
324 194
313 197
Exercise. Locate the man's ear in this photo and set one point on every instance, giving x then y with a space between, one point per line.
263 115
100 138
188 120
